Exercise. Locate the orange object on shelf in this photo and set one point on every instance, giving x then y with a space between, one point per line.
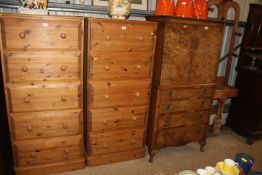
165 8
184 8
200 9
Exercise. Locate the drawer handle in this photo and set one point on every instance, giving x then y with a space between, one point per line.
33 155
30 128
134 118
138 94
106 68
63 36
104 121
63 68
132 140
24 68
65 126
138 67
26 100
104 145
22 35
67 150
64 98
108 38
140 38
95 59
107 96
152 33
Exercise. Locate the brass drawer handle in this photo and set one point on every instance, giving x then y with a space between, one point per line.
67 150
64 98
24 68
63 68
138 94
138 67
106 68
104 145
108 38
133 140
63 36
134 118
26 100
30 128
65 126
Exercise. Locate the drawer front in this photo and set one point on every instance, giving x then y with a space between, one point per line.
26 34
187 93
122 36
117 141
42 66
48 151
117 118
181 135
47 124
183 119
185 105
44 97
117 65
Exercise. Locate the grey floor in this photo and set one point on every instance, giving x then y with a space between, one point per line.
171 160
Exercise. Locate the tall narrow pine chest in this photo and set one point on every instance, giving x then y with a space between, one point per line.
42 66
185 69
119 72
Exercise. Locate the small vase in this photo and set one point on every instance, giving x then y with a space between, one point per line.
184 8
119 9
165 8
200 9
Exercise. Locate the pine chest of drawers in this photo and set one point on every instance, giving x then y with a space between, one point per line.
42 68
120 61
186 60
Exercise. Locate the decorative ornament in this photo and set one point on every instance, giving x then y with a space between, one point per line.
119 9
165 8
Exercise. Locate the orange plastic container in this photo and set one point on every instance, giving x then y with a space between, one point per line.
184 8
165 8
200 9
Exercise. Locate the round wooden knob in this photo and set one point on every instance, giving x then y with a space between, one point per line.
65 126
26 100
95 59
138 67
152 33
104 145
63 68
24 68
63 36
33 155
140 38
29 128
108 38
134 117
106 68
67 150
132 140
63 98
22 35
137 94
107 96
104 121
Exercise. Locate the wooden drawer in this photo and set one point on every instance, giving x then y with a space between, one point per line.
181 135
185 105
117 141
42 66
121 36
183 119
48 151
44 97
120 65
43 33
117 118
187 93
47 124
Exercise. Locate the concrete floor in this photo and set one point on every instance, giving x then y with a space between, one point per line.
171 160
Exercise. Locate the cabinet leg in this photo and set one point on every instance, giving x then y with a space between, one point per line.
250 140
152 154
202 146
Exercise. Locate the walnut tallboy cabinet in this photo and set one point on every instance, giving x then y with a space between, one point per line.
42 69
185 69
119 73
